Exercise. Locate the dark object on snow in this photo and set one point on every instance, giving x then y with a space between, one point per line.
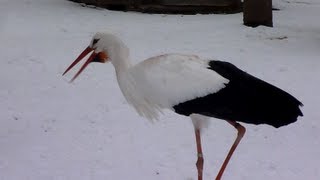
257 12
169 6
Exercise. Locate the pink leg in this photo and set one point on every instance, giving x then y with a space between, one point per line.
241 132
200 155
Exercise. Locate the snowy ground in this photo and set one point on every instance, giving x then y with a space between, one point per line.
53 130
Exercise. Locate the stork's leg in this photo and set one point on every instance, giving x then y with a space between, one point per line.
199 122
200 156
241 132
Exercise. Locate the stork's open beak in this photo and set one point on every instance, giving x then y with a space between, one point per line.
94 57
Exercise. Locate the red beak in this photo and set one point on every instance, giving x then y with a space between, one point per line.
81 56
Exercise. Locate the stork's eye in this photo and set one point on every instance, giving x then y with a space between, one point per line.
95 41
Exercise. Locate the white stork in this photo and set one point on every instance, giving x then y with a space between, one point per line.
195 87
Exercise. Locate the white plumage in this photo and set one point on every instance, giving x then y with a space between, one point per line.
167 80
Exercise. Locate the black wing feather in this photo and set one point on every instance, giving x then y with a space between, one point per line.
245 98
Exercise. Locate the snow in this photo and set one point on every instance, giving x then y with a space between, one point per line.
51 129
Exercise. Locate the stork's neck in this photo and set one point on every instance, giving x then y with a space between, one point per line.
120 59
121 64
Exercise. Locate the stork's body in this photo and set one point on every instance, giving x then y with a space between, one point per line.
193 87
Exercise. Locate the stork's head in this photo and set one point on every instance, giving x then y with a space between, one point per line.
102 47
